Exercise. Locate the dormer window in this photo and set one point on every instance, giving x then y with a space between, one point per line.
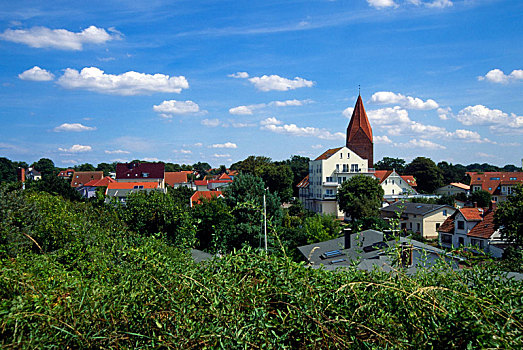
145 174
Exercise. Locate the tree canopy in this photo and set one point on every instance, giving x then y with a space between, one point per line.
481 197
360 196
45 166
509 217
388 163
7 170
428 176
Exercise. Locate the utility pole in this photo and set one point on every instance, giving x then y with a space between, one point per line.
265 220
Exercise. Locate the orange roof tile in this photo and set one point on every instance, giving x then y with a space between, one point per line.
303 183
485 228
131 185
224 176
175 177
197 197
472 214
410 180
328 153
382 174
491 181
460 185
448 225
201 182
98 183
80 178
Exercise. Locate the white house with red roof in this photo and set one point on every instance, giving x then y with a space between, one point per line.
498 184
88 190
395 185
472 227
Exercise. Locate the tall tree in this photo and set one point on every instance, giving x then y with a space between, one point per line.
84 167
481 197
45 166
360 197
428 176
452 173
278 178
251 165
7 170
300 168
509 217
388 163
107 168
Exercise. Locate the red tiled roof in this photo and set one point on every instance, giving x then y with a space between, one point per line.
485 228
460 185
138 170
491 181
303 183
220 181
409 179
175 177
472 214
98 183
448 225
201 182
197 197
328 153
63 173
382 174
224 176
131 185
80 178
359 121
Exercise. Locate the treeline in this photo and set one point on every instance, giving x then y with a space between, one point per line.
86 275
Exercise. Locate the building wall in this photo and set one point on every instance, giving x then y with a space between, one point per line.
433 220
450 190
395 185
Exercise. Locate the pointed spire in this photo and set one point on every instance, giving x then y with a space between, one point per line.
359 121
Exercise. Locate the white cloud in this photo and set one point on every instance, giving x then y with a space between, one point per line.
469 136
117 151
277 83
224 145
389 116
242 125
290 103
198 144
379 4
382 139
185 151
485 155
420 143
239 75
274 125
433 3
498 76
129 83
77 127
347 112
241 110
169 108
226 155
409 102
76 149
151 159
41 37
211 122
444 113
36 74
481 115
316 146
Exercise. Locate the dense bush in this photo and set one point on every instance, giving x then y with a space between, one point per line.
96 284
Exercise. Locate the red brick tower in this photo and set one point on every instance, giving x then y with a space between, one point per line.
359 133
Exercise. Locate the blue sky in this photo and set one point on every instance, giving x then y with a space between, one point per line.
217 81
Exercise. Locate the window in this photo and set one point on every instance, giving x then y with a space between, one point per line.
341 155
495 199
461 241
337 167
145 174
354 168
345 168
393 182
513 179
329 179
418 226
461 225
437 225
348 155
392 191
444 212
410 225
446 239
494 178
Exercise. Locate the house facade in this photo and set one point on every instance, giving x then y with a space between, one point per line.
498 184
421 218
121 190
395 185
80 178
328 171
474 228
452 189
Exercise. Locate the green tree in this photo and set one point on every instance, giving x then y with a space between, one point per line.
7 170
84 167
360 196
181 195
45 166
428 176
388 163
155 212
278 178
107 168
300 168
55 185
251 165
202 168
452 173
214 222
319 228
509 217
481 197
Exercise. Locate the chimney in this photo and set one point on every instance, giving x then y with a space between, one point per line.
406 254
347 236
493 206
21 174
475 204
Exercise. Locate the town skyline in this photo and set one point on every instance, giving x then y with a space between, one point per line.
217 82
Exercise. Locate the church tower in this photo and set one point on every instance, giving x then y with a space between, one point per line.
359 133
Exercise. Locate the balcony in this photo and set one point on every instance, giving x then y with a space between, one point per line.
329 196
330 184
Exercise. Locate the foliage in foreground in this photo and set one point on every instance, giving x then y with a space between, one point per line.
123 290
